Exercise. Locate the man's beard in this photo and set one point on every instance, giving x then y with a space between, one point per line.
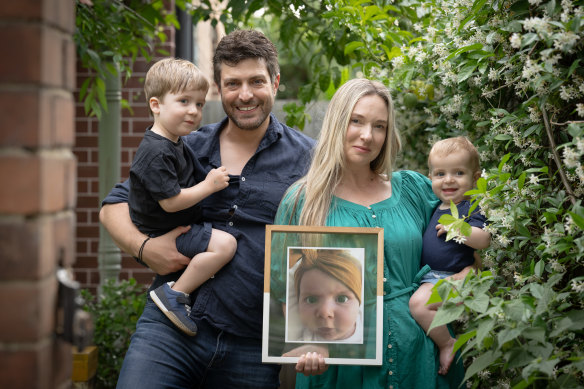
245 124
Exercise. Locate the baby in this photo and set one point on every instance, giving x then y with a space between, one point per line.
328 286
454 170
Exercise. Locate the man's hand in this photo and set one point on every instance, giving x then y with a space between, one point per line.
161 255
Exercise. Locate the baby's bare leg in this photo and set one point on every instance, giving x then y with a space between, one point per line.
424 314
204 265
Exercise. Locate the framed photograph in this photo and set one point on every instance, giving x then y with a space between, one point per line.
323 292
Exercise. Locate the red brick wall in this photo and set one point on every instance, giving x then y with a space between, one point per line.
88 201
37 190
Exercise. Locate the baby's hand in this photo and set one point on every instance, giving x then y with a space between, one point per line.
218 178
441 229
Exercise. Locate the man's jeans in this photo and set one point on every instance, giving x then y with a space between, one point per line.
161 356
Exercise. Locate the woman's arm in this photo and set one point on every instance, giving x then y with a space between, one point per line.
160 254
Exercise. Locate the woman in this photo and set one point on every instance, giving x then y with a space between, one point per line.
350 183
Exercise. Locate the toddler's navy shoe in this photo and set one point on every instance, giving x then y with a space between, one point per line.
176 306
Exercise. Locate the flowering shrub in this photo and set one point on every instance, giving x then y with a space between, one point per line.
509 75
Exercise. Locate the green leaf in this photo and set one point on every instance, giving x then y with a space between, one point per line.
466 71
447 313
352 46
507 335
521 180
481 363
503 162
478 303
572 321
462 339
539 267
475 46
453 210
447 219
579 220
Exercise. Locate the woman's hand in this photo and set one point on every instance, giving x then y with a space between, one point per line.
311 359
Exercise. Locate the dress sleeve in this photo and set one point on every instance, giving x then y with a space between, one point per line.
418 190
290 206
288 214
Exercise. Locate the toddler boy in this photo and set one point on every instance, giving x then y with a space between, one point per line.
163 191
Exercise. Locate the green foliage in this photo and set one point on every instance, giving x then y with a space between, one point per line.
110 35
508 74
115 313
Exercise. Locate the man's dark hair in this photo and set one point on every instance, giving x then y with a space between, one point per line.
245 44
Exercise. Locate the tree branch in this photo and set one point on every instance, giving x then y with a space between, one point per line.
548 130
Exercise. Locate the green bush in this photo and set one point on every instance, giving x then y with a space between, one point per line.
115 313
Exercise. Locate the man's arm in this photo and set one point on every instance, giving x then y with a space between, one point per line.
160 253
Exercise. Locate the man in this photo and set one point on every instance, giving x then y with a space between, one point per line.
263 157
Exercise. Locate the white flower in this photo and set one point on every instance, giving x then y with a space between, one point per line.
398 61
421 57
579 142
566 93
418 27
503 241
515 40
459 239
533 179
578 286
493 74
539 25
565 41
534 114
580 109
556 266
571 157
431 31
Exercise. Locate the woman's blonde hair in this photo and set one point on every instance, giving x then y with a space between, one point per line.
328 162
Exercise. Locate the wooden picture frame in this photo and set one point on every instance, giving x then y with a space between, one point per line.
323 292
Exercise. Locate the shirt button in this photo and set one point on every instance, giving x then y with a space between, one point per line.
390 386
390 360
390 372
242 178
230 223
373 216
389 333
389 346
384 279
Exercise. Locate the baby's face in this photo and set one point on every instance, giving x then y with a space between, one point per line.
326 306
452 177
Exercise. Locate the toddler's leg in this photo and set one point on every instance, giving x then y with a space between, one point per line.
424 314
173 298
204 265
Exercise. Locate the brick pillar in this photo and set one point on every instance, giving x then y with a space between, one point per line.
37 187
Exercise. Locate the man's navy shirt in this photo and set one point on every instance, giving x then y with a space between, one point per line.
233 299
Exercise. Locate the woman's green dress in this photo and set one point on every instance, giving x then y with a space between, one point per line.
410 359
